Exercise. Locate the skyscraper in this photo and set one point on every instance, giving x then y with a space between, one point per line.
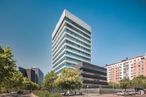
71 42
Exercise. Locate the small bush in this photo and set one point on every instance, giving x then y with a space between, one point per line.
47 94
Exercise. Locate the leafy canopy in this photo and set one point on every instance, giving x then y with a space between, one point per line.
7 65
49 81
10 77
69 79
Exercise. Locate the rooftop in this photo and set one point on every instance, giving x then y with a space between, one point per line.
125 60
72 17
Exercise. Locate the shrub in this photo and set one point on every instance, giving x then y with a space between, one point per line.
47 94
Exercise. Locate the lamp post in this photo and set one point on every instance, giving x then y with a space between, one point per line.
100 87
87 90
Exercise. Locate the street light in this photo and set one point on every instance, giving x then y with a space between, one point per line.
87 90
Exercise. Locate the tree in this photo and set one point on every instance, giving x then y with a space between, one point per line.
33 85
7 67
69 79
125 83
10 78
49 81
113 85
16 80
28 84
139 82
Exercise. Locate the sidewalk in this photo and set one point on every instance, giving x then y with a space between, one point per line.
32 95
104 95
95 95
15 95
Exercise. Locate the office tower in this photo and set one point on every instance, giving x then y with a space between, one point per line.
93 76
33 74
39 75
129 68
23 71
71 42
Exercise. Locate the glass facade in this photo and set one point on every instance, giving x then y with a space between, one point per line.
71 42
34 74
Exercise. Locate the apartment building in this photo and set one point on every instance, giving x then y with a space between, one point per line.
129 67
71 42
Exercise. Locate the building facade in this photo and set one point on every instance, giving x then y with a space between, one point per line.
92 76
39 75
23 71
33 74
129 68
71 42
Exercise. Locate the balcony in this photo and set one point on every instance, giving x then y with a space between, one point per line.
93 70
96 76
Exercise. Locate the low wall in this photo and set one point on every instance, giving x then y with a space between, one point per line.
102 90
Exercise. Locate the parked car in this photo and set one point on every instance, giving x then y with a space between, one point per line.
124 93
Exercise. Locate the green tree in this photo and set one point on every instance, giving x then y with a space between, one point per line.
7 67
69 79
34 86
139 82
125 83
28 84
10 78
16 80
49 81
113 85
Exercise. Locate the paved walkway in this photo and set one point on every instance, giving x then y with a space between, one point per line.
15 95
32 95
95 95
105 95
87 95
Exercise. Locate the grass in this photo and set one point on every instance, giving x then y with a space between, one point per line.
47 94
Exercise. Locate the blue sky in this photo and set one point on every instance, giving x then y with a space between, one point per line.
118 28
